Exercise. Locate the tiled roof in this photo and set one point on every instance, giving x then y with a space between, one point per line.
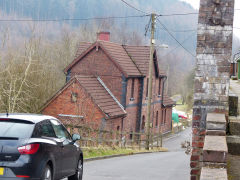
133 60
118 53
83 46
140 55
101 96
167 101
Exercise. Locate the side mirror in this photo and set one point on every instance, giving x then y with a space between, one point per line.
76 137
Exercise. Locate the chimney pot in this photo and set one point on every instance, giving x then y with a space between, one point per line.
103 36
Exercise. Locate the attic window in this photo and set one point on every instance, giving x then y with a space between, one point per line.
74 97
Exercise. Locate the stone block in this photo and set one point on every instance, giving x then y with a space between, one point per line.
216 121
234 125
233 167
214 49
216 133
215 149
213 173
214 165
233 143
201 37
233 105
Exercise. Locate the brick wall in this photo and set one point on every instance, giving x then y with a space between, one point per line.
97 63
83 107
156 106
167 125
114 124
132 104
214 48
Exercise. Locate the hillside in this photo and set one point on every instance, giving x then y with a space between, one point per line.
59 9
176 61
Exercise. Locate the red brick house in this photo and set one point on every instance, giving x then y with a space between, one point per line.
88 98
122 73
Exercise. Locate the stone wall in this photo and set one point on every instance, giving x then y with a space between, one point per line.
214 48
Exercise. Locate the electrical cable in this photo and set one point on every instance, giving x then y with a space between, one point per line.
147 27
175 38
177 31
77 19
131 6
188 30
177 14
178 45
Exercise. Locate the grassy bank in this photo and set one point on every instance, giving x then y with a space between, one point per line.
103 151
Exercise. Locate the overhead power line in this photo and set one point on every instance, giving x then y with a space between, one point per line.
185 14
176 31
179 14
188 30
174 38
147 26
131 6
178 45
69 19
139 10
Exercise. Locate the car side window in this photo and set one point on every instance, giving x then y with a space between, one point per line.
60 130
43 129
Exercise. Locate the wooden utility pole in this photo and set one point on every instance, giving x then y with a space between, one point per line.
150 71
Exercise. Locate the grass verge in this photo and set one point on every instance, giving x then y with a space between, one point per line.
93 152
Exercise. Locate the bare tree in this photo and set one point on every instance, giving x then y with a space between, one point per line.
32 66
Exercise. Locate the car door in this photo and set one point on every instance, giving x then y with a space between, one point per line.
69 150
44 130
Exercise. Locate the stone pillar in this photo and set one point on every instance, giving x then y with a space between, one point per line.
214 49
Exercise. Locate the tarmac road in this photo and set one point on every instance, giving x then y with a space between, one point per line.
172 165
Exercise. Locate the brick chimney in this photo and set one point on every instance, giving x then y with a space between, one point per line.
103 36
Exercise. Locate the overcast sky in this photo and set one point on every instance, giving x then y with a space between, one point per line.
195 4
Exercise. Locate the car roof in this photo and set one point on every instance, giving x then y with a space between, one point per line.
34 118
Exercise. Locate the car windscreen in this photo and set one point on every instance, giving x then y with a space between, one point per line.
15 129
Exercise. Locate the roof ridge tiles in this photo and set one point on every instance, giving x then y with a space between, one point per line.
110 42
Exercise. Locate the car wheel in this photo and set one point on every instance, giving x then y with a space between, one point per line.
79 172
47 174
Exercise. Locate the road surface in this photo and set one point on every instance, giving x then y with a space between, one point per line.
170 165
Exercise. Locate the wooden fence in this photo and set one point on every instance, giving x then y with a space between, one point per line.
91 137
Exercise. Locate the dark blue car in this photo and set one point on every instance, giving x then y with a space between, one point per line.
38 147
